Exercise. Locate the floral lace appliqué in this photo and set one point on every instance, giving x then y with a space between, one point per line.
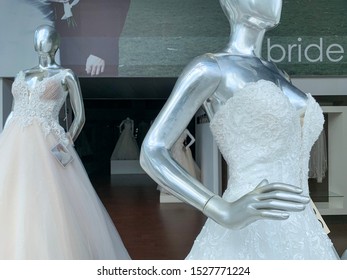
260 135
41 103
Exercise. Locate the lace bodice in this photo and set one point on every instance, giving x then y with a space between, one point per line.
262 136
42 103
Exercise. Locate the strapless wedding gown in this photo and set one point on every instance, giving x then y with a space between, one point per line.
48 211
261 135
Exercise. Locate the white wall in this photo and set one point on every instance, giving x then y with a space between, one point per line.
322 85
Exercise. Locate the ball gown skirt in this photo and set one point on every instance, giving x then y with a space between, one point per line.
48 211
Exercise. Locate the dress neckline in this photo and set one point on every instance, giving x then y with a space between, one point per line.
38 83
22 75
301 114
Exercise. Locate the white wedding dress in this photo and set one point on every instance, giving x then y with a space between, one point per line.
126 147
261 135
48 211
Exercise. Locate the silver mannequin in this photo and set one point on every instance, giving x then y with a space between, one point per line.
208 83
46 44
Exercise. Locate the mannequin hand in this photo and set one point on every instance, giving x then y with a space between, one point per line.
95 65
267 201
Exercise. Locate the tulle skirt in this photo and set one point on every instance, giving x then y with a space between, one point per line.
48 211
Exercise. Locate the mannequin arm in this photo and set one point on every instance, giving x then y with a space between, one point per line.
72 84
121 126
132 127
267 201
198 82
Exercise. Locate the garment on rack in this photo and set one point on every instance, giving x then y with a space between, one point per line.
182 153
48 208
318 164
126 147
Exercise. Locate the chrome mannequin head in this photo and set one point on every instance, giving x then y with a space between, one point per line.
46 40
262 13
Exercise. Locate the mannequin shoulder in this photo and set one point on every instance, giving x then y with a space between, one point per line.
296 96
34 72
205 65
68 75
69 80
68 72
222 60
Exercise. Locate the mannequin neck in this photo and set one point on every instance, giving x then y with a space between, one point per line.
46 60
246 39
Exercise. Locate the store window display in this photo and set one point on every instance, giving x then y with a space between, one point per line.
264 127
48 207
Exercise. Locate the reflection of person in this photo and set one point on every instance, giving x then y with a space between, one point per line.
255 115
90 33
48 211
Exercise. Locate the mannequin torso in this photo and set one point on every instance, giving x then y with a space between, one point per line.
236 71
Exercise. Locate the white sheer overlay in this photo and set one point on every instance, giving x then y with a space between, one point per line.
48 211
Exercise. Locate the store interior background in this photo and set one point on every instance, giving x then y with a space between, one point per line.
152 230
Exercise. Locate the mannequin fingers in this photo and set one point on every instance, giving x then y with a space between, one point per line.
274 215
97 69
88 69
280 205
280 187
93 70
284 196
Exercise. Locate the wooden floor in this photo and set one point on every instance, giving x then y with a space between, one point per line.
155 231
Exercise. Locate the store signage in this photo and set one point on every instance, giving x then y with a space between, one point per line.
157 38
299 50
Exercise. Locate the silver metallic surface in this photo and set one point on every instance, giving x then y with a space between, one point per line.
46 44
209 81
344 255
